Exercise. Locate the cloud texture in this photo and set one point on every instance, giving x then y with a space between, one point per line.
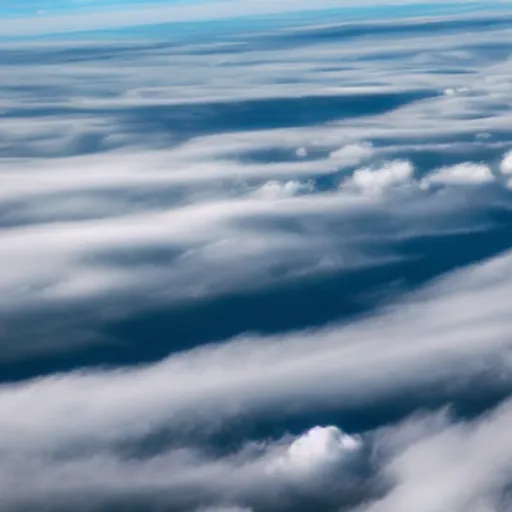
262 272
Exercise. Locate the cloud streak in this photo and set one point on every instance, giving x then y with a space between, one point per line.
448 335
296 231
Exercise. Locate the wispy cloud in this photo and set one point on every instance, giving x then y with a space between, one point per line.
139 189
450 335
463 465
177 176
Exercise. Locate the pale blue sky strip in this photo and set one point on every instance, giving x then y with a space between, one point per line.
31 17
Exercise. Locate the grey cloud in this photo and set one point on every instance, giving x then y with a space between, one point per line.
122 192
461 466
260 476
448 335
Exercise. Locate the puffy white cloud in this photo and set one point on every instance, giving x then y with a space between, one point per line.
318 450
460 174
277 190
302 152
352 154
458 90
374 181
506 164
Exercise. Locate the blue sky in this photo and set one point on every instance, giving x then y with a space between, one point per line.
33 17
28 8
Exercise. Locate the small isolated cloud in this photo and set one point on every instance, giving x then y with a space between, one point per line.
352 154
318 450
281 190
466 173
302 152
372 181
506 164
454 91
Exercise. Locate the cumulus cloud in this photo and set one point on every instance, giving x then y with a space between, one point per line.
374 181
276 190
506 164
320 449
352 154
460 174
459 90
302 152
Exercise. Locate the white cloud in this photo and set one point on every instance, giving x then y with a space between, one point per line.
209 201
463 466
374 181
222 214
450 334
195 239
276 190
454 331
460 174
302 152
506 164
181 478
318 450
459 90
352 154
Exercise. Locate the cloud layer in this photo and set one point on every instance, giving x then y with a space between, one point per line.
265 273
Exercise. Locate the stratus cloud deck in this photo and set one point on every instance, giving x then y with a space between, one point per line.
255 256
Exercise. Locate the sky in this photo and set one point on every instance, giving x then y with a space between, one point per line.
57 16
255 256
